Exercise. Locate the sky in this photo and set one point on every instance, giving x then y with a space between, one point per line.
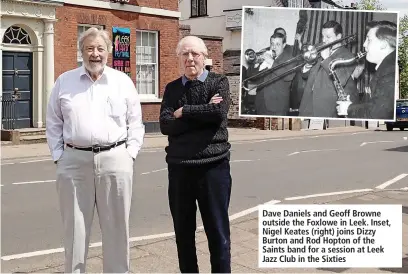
390 5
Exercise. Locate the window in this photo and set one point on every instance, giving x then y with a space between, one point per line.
82 29
295 3
16 35
147 71
198 8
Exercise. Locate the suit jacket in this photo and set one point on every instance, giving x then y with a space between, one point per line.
381 103
273 99
319 95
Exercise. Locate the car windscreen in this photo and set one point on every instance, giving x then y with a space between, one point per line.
401 104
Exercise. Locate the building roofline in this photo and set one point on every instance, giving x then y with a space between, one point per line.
209 37
124 7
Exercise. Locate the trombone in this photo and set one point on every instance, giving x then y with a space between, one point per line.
308 56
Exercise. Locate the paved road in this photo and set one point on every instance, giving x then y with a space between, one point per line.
262 171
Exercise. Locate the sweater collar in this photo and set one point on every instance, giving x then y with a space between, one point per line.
202 77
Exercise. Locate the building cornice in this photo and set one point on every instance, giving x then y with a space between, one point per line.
48 3
40 9
124 7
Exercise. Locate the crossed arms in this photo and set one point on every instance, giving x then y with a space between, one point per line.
177 121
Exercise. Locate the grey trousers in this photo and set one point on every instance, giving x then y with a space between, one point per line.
104 179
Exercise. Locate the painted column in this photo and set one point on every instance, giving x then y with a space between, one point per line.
1 63
1 84
48 58
1 78
40 88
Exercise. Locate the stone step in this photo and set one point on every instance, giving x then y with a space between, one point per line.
33 139
31 131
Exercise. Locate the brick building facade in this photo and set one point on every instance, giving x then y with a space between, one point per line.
163 28
48 47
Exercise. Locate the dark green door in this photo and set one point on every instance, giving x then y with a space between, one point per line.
17 81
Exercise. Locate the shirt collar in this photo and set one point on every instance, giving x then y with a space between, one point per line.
83 72
201 78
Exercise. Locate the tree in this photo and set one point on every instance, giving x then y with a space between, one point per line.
403 56
370 5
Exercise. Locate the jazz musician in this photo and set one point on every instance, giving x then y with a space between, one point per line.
290 48
273 99
319 95
380 46
256 62
268 55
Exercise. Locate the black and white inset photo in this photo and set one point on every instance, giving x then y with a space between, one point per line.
319 63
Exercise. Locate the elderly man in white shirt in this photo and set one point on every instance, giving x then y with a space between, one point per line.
95 131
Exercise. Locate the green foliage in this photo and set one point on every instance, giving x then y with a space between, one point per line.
403 56
370 5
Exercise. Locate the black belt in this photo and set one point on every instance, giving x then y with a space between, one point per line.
98 148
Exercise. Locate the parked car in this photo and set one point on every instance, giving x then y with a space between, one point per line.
401 121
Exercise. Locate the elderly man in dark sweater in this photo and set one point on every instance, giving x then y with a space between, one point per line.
194 116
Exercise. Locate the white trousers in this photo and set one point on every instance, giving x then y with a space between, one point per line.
104 179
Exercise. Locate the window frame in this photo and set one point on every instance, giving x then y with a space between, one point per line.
143 96
79 56
198 9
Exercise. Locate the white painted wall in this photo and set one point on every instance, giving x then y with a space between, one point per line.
216 7
256 36
214 23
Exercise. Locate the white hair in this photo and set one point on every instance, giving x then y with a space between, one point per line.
94 32
196 41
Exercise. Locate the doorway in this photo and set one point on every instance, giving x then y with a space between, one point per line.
18 83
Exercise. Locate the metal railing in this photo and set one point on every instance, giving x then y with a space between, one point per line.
8 111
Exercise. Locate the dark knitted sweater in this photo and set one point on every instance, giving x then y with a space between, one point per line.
200 136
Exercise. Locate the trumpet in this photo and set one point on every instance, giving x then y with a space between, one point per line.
342 96
309 55
256 58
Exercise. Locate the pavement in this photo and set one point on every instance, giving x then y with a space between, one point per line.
160 255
